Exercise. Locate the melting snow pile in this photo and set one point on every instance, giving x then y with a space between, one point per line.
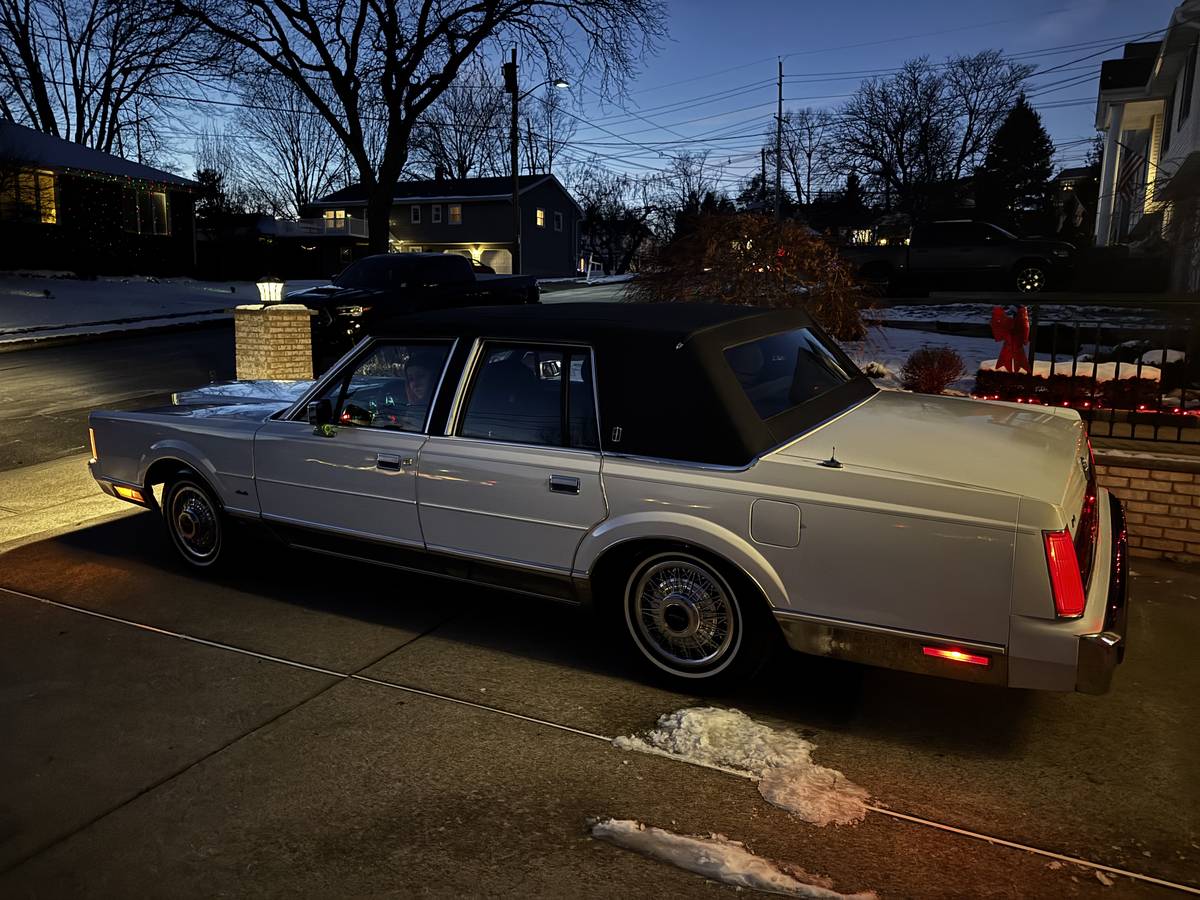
780 760
718 858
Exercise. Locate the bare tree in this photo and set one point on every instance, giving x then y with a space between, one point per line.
927 124
293 158
547 131
807 150
392 59
465 130
618 213
94 71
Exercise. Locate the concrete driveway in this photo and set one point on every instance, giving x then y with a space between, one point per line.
316 727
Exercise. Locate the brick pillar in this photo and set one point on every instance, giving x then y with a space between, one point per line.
273 342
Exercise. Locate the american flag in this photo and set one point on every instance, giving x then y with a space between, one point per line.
1129 177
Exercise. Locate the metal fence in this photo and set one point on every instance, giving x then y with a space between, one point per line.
1127 380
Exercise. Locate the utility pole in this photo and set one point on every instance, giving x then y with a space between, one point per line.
762 175
779 148
514 134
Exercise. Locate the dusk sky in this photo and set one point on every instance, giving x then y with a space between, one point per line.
715 76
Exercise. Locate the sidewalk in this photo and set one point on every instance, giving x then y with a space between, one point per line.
38 502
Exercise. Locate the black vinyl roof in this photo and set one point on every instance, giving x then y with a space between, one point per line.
664 385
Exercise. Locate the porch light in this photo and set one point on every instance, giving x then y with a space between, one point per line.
270 290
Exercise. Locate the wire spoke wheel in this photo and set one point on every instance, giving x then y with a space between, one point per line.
194 523
683 616
1031 279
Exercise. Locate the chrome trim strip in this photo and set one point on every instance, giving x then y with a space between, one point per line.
461 389
425 504
330 490
484 442
349 532
503 560
787 614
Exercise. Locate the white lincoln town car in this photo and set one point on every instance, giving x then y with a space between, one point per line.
710 477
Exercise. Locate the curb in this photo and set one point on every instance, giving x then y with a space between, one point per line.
59 340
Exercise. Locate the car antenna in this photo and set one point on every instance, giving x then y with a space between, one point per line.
832 462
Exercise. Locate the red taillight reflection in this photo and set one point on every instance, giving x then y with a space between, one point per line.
956 655
1065 580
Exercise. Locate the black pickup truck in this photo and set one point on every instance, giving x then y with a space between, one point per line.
372 293
961 254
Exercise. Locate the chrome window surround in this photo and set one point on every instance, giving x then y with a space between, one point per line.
355 353
471 367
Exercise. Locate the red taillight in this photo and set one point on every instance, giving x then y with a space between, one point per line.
1065 580
956 655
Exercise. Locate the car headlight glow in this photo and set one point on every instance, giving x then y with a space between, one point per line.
1063 253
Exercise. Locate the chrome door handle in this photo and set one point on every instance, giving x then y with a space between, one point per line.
564 484
390 461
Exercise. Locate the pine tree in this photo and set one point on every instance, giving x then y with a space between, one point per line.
1012 187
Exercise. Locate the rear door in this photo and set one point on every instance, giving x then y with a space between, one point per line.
516 478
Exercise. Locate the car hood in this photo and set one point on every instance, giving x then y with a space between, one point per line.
1031 451
228 412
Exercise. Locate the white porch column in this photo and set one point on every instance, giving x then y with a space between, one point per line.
1107 198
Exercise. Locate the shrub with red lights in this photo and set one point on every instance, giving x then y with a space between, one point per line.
1080 392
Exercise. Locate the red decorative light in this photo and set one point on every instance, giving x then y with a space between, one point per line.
954 655
1065 581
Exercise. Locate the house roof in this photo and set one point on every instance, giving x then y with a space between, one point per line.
444 190
1078 172
28 145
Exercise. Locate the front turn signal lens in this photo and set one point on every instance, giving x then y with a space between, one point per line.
92 441
129 493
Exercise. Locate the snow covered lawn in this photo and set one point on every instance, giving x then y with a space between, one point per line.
39 305
981 313
890 347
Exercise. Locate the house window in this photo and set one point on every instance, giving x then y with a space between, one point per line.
414 214
146 212
1170 117
27 196
1189 84
335 220
541 218
454 213
435 214
558 220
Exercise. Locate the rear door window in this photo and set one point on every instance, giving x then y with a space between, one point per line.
536 395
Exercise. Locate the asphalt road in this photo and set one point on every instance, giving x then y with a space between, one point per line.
310 727
47 393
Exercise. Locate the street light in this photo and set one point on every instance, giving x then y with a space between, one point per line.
511 87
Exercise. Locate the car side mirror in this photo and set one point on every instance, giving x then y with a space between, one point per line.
320 412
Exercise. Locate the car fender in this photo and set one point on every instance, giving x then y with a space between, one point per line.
670 526
188 454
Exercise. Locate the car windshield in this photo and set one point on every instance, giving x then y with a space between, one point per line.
785 370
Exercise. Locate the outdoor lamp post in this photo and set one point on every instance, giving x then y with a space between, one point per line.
510 87
270 290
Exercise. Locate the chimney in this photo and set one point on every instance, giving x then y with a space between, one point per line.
439 172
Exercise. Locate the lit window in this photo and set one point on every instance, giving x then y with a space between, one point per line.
146 212
454 213
335 220
541 218
28 197
558 221
414 214
435 214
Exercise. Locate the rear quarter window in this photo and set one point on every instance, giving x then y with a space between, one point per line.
783 371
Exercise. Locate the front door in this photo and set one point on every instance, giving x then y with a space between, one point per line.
361 480
517 481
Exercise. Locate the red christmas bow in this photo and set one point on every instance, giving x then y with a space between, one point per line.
1014 332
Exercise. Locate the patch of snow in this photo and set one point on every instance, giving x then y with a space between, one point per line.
1105 880
781 761
1109 371
890 347
1163 357
981 313
719 858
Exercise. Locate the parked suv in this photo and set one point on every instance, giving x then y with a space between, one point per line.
962 253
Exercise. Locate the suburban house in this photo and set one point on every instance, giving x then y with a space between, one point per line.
472 217
1149 110
66 206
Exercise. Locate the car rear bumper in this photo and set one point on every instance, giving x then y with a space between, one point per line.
1102 652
